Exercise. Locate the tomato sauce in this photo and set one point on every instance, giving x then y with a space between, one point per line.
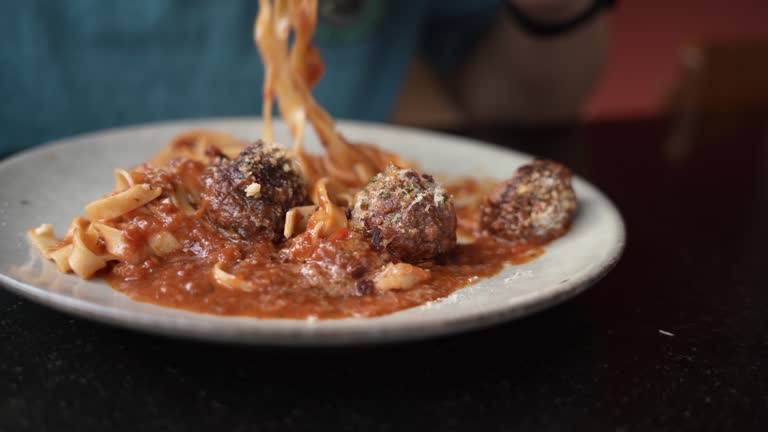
301 278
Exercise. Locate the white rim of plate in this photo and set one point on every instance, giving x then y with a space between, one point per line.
281 332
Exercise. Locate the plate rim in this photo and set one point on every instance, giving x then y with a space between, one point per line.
183 328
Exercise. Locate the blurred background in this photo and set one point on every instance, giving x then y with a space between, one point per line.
713 52
663 58
83 65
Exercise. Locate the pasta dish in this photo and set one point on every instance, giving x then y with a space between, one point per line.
219 225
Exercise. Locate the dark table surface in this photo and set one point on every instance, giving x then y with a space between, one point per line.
674 338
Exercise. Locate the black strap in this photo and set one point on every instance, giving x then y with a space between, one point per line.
548 30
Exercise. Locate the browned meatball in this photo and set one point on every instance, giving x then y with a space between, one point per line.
408 214
536 205
249 195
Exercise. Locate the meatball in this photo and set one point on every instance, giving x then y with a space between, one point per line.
536 205
249 195
408 214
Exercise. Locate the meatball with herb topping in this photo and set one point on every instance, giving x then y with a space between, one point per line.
249 195
406 213
536 205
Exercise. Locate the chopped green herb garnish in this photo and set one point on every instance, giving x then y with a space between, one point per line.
396 217
384 194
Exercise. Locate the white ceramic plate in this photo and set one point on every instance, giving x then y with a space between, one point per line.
53 183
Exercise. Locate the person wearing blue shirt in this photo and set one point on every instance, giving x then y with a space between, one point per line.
72 66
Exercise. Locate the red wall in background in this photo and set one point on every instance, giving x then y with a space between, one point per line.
648 35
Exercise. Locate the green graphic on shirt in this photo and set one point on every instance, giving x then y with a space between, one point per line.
349 20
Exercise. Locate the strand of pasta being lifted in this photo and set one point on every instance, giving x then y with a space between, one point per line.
215 225
290 73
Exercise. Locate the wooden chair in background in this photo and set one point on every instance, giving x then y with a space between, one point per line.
721 85
722 77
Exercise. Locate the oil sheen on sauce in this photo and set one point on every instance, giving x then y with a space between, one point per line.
298 279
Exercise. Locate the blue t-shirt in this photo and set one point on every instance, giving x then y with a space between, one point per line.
72 66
